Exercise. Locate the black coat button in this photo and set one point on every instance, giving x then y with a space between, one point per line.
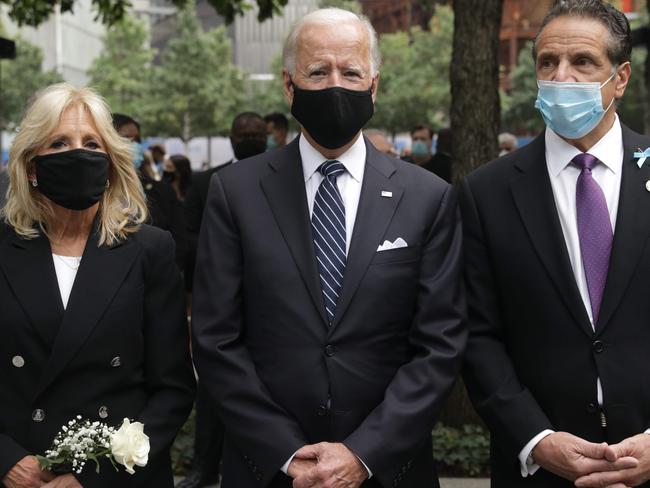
599 346
322 410
592 408
330 350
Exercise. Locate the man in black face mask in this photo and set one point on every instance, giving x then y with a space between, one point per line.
328 311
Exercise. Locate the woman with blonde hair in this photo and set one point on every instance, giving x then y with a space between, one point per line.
93 318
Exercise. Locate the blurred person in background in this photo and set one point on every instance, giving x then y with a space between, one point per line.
277 127
177 172
421 142
93 318
441 162
379 139
165 210
507 143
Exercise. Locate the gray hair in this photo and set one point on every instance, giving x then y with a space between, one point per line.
508 138
619 48
329 16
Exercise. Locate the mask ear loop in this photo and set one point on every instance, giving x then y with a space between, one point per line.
607 81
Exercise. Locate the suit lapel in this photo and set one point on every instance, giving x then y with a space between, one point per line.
534 199
102 271
632 226
28 266
374 214
284 189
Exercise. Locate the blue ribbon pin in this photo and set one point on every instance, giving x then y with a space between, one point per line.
642 156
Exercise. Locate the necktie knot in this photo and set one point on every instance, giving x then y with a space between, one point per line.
585 161
331 168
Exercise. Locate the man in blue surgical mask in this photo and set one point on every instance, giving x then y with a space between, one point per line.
556 265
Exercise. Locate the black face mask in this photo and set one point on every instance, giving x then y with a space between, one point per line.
75 179
168 176
248 148
332 116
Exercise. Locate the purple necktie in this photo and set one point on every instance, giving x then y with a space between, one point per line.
594 230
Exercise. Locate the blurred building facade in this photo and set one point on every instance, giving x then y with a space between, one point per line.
70 42
254 44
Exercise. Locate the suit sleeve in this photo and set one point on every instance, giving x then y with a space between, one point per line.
263 432
168 368
388 439
10 454
508 408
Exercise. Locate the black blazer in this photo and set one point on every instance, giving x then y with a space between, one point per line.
532 357
119 348
262 343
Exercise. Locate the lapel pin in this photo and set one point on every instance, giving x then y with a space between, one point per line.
387 194
647 185
641 156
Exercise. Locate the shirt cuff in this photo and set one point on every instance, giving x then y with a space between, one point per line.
368 469
526 463
285 466
647 431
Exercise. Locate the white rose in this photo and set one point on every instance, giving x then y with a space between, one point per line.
130 445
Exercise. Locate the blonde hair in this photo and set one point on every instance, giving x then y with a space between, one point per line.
122 207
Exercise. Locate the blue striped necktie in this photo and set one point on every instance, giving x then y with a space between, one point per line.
328 229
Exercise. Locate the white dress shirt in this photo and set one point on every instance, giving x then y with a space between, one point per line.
349 185
66 271
564 177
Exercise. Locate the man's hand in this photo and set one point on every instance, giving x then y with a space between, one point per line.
571 457
299 466
637 447
337 467
27 473
64 481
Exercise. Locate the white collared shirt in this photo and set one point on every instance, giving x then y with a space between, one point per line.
349 183
564 177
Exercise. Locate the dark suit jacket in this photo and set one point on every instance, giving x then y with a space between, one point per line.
532 358
262 343
4 183
120 344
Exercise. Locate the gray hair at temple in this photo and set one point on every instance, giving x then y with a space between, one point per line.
619 49
329 16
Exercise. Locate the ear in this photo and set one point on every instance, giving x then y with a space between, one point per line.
375 87
287 87
622 78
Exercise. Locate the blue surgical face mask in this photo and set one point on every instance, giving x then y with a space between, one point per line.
420 148
270 142
138 154
571 109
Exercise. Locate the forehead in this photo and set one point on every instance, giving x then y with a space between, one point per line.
320 42
128 129
567 35
77 118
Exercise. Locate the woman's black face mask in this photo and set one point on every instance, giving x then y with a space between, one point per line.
74 179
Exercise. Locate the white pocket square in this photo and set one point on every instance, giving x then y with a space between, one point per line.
387 245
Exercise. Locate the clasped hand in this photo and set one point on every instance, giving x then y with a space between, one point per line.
592 465
326 465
